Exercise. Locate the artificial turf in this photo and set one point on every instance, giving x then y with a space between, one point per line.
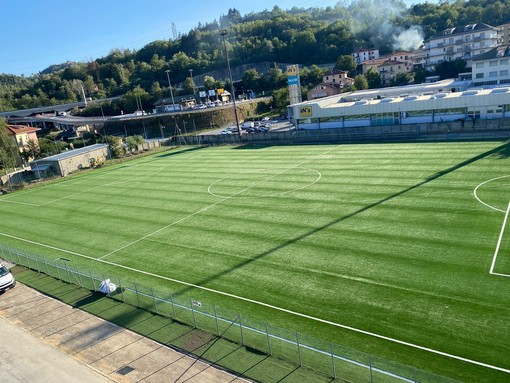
389 239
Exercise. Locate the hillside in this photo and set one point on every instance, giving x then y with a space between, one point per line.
302 36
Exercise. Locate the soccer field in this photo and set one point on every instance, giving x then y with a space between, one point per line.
399 250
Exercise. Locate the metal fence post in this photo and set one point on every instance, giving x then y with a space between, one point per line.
47 268
69 273
154 299
122 291
415 376
270 352
137 296
299 350
79 276
332 359
92 279
28 260
371 372
241 329
173 307
193 313
58 269
217 324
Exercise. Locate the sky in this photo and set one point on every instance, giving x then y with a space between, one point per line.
39 33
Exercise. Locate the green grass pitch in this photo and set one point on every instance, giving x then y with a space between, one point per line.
397 240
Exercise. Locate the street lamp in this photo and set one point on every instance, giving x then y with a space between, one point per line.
171 91
192 81
223 33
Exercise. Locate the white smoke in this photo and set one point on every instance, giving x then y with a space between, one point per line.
409 40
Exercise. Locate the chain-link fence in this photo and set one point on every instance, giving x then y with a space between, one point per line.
302 350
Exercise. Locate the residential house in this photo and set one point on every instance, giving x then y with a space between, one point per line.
389 70
463 42
388 67
337 78
322 90
21 135
492 67
362 55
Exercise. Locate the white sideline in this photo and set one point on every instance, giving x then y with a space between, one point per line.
393 340
499 244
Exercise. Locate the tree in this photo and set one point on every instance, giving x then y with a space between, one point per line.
116 148
373 78
8 149
209 82
450 69
189 86
360 82
132 142
251 79
281 99
31 151
404 78
345 62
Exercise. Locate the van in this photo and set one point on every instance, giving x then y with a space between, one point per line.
7 281
248 124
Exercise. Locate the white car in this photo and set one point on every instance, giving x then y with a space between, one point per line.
7 281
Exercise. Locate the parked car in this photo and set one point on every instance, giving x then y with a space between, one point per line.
7 280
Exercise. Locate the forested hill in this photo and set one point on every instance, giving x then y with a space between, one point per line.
301 36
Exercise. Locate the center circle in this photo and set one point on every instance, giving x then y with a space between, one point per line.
258 183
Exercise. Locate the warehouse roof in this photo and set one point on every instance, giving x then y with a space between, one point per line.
72 153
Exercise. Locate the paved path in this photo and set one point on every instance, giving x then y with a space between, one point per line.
45 340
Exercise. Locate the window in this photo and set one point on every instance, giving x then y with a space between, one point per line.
479 65
493 74
493 63
479 75
503 72
503 62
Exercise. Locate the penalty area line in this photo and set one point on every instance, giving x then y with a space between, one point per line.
368 333
496 252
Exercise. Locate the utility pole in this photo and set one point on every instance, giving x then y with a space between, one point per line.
223 33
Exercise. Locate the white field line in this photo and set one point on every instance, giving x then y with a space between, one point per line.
266 195
77 193
209 207
368 333
20 203
483 183
499 243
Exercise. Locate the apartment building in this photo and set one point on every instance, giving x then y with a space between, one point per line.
463 42
362 55
492 67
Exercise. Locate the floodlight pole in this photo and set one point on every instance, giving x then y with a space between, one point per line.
171 91
223 33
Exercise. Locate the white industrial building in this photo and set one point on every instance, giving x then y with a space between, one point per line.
441 101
